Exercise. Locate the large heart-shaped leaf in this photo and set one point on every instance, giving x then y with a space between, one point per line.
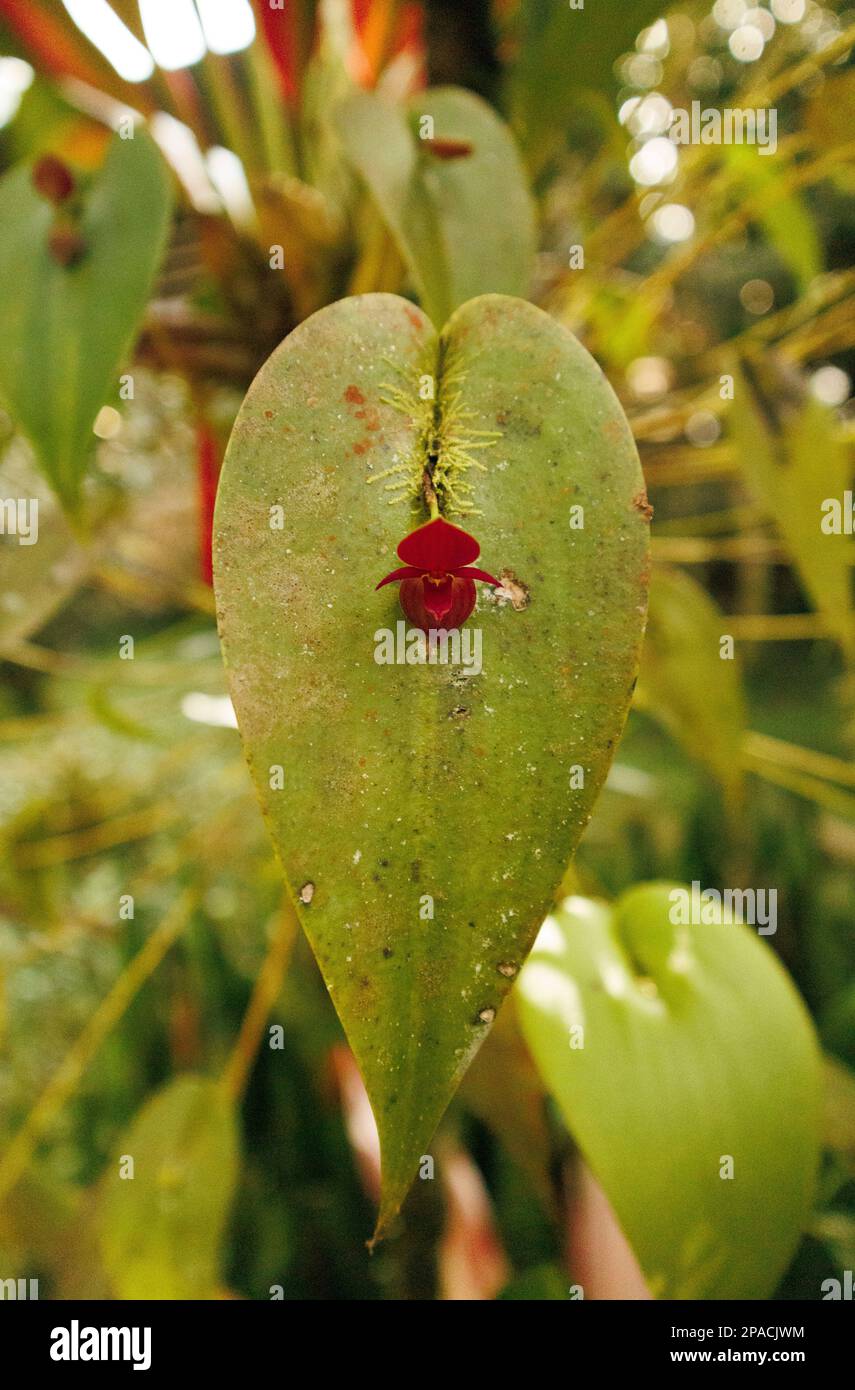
670 1049
424 814
66 328
457 203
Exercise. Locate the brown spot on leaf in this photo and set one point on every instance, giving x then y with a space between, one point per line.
515 589
354 396
642 505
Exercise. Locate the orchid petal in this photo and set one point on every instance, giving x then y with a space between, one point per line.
439 546
406 572
467 572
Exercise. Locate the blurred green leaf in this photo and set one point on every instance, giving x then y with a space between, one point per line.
787 221
504 1089
830 110
621 319
44 120
400 781
40 574
837 1020
564 55
544 1283
46 1225
464 224
695 1049
66 329
839 1127
161 1230
781 444
327 80
684 681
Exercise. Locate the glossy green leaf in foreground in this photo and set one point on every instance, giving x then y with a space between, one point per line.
424 814
161 1228
67 328
458 206
694 1050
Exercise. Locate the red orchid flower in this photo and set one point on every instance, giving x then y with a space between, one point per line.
437 582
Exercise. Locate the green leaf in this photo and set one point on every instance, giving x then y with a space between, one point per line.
66 330
684 681
401 781
564 55
504 1089
464 225
839 1126
36 577
161 1229
788 222
830 111
779 442
696 1047
544 1283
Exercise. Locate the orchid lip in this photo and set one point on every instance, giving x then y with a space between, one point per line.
413 572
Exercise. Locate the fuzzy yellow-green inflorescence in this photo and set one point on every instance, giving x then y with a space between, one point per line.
446 444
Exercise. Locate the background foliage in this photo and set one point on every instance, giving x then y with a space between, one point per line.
149 1033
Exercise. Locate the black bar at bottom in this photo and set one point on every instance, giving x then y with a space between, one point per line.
249 1338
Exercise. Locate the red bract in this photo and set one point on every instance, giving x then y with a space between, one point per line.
437 580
